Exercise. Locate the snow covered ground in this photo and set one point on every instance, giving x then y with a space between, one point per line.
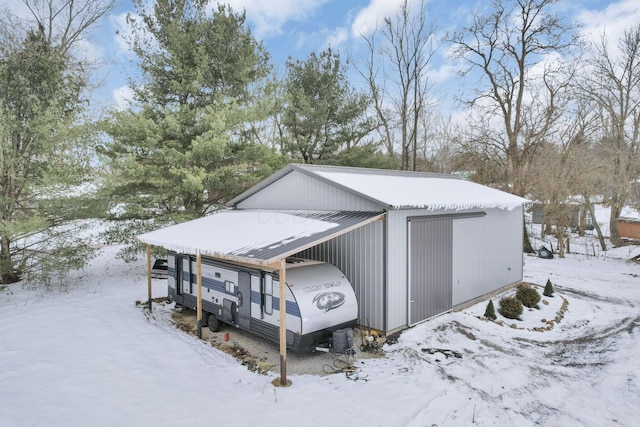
90 356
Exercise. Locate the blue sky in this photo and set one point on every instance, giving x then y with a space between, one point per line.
297 27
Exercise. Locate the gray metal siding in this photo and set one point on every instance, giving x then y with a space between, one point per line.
475 272
360 256
299 191
430 252
397 264
397 295
487 253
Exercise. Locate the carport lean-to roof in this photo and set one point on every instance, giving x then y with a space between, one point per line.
259 237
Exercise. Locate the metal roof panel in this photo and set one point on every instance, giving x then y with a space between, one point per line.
256 236
394 189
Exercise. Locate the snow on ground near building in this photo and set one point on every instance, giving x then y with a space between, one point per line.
90 356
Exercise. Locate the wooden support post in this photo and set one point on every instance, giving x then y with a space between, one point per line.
199 283
149 275
283 323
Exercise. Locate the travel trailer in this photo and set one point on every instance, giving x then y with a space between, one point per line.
320 299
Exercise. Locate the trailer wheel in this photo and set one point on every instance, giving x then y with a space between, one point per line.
214 323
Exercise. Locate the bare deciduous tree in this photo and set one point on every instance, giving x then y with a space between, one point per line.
436 149
516 53
564 169
63 23
397 74
612 84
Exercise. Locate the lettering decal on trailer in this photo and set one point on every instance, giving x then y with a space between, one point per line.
329 300
327 285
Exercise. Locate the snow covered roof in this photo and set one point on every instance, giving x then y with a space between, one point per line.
256 236
395 189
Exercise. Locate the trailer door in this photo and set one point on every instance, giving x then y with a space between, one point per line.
183 275
178 261
244 300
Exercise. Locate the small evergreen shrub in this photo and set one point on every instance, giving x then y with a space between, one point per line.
548 289
528 296
510 307
490 312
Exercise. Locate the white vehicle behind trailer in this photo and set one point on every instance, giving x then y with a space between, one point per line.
320 299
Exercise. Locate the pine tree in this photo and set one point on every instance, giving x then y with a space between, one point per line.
490 312
548 289
182 149
323 115
44 156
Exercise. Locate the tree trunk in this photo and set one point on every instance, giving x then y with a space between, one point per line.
560 238
546 226
603 245
582 220
7 274
527 248
616 240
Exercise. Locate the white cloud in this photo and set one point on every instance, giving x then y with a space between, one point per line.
370 17
612 20
123 97
337 37
89 51
268 17
444 72
123 30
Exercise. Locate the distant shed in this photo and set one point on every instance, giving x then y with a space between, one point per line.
430 242
629 228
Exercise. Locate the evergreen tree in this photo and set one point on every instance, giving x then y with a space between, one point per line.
181 150
490 312
548 289
44 153
323 115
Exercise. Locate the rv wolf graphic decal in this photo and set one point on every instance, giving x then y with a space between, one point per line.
329 300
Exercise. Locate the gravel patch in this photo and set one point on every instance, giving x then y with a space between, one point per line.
263 356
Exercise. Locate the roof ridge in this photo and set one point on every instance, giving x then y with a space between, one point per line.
375 171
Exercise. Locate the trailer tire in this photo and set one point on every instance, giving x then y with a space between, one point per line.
214 323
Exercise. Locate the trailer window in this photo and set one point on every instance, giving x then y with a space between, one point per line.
186 276
229 287
268 294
